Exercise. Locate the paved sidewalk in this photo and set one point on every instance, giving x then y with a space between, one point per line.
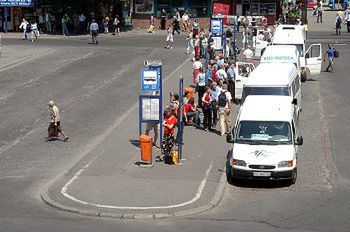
108 182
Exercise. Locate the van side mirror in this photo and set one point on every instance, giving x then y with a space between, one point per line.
230 137
295 101
300 141
307 55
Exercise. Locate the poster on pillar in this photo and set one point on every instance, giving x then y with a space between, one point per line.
144 6
15 3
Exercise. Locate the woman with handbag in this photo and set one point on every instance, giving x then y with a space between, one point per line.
206 108
169 124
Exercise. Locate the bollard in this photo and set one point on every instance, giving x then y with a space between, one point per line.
146 148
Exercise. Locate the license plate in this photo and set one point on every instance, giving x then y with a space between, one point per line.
261 173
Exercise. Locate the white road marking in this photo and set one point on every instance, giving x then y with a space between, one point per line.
194 199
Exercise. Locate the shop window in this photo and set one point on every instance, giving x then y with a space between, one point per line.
199 12
178 3
197 3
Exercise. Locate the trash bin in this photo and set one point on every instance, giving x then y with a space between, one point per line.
146 148
190 91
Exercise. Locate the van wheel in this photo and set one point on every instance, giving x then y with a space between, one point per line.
303 77
229 177
295 176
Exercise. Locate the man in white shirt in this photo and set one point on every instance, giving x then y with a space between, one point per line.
93 31
23 27
221 73
82 19
223 100
248 54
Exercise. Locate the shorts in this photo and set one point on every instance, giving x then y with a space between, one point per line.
54 129
152 126
331 60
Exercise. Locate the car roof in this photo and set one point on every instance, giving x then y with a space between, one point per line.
280 53
289 34
267 108
272 74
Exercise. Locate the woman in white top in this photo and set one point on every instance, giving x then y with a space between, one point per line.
170 38
185 20
23 27
34 29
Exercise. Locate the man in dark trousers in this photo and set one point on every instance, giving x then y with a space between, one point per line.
176 25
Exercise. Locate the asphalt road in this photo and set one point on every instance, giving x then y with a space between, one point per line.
96 84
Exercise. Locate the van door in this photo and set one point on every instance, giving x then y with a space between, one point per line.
296 91
313 59
242 71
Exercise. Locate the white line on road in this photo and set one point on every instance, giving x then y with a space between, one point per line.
194 199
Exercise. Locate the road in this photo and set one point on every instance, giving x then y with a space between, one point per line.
97 84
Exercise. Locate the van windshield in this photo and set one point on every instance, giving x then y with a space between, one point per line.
279 91
264 132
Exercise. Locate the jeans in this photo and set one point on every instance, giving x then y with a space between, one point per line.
214 113
319 16
225 122
207 117
94 37
195 116
34 34
64 29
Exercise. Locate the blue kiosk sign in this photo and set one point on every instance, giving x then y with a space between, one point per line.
15 3
150 80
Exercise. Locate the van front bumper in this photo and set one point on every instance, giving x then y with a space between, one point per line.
275 175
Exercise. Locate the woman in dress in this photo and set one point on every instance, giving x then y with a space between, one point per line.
169 124
170 38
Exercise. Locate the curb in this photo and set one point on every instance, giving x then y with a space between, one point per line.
200 209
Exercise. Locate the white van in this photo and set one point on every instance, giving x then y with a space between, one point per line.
311 59
282 54
265 140
275 79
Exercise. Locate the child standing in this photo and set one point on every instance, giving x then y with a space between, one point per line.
170 38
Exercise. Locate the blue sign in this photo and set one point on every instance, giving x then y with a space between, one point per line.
150 80
16 3
216 27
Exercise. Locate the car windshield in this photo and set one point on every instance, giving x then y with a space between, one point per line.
264 132
279 91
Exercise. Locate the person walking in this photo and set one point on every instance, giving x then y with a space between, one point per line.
94 32
338 21
64 22
34 29
245 39
24 27
170 38
347 18
190 47
176 25
106 24
330 54
116 26
169 124
319 11
224 99
164 17
200 85
55 123
185 21
206 108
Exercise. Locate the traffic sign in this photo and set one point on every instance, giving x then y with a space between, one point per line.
150 80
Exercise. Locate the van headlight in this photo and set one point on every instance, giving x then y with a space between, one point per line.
284 164
237 162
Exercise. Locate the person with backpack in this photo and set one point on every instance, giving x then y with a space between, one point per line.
224 102
331 53
25 28
213 104
338 22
